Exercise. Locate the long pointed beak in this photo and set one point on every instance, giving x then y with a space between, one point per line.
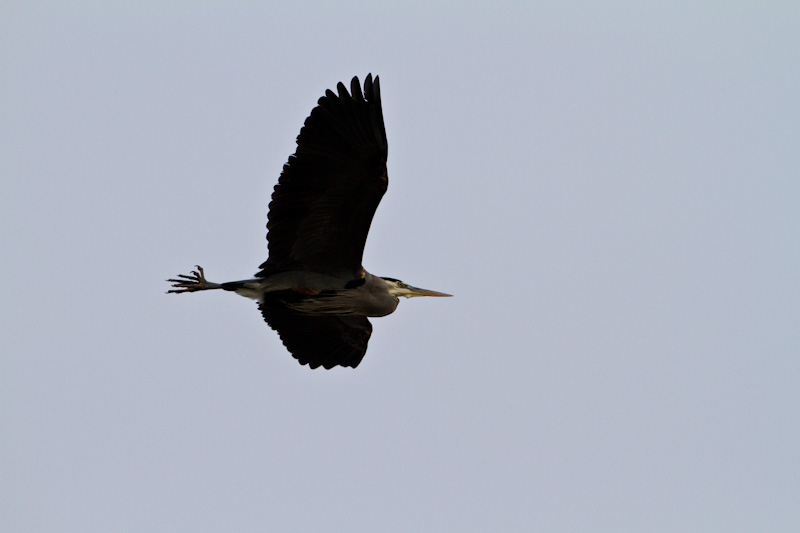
416 291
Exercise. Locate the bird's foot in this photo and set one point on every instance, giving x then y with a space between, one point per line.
196 281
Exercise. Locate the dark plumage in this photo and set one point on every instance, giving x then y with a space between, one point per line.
313 289
323 204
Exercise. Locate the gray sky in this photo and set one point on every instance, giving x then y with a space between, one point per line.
611 192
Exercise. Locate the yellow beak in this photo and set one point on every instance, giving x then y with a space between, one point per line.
416 291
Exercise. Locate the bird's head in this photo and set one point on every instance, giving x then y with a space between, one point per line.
398 288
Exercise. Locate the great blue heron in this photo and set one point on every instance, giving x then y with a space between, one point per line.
312 289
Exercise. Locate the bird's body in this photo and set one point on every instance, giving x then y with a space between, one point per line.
312 289
311 292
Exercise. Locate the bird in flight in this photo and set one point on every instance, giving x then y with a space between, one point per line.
313 289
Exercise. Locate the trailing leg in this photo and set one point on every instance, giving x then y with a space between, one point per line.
193 282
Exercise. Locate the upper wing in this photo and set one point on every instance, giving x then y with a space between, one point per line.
326 340
323 204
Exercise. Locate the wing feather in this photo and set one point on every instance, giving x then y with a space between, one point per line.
320 340
323 204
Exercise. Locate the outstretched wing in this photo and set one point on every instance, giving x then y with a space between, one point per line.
321 340
323 204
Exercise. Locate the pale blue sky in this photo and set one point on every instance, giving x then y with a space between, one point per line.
611 193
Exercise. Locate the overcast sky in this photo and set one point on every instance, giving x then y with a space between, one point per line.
612 194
